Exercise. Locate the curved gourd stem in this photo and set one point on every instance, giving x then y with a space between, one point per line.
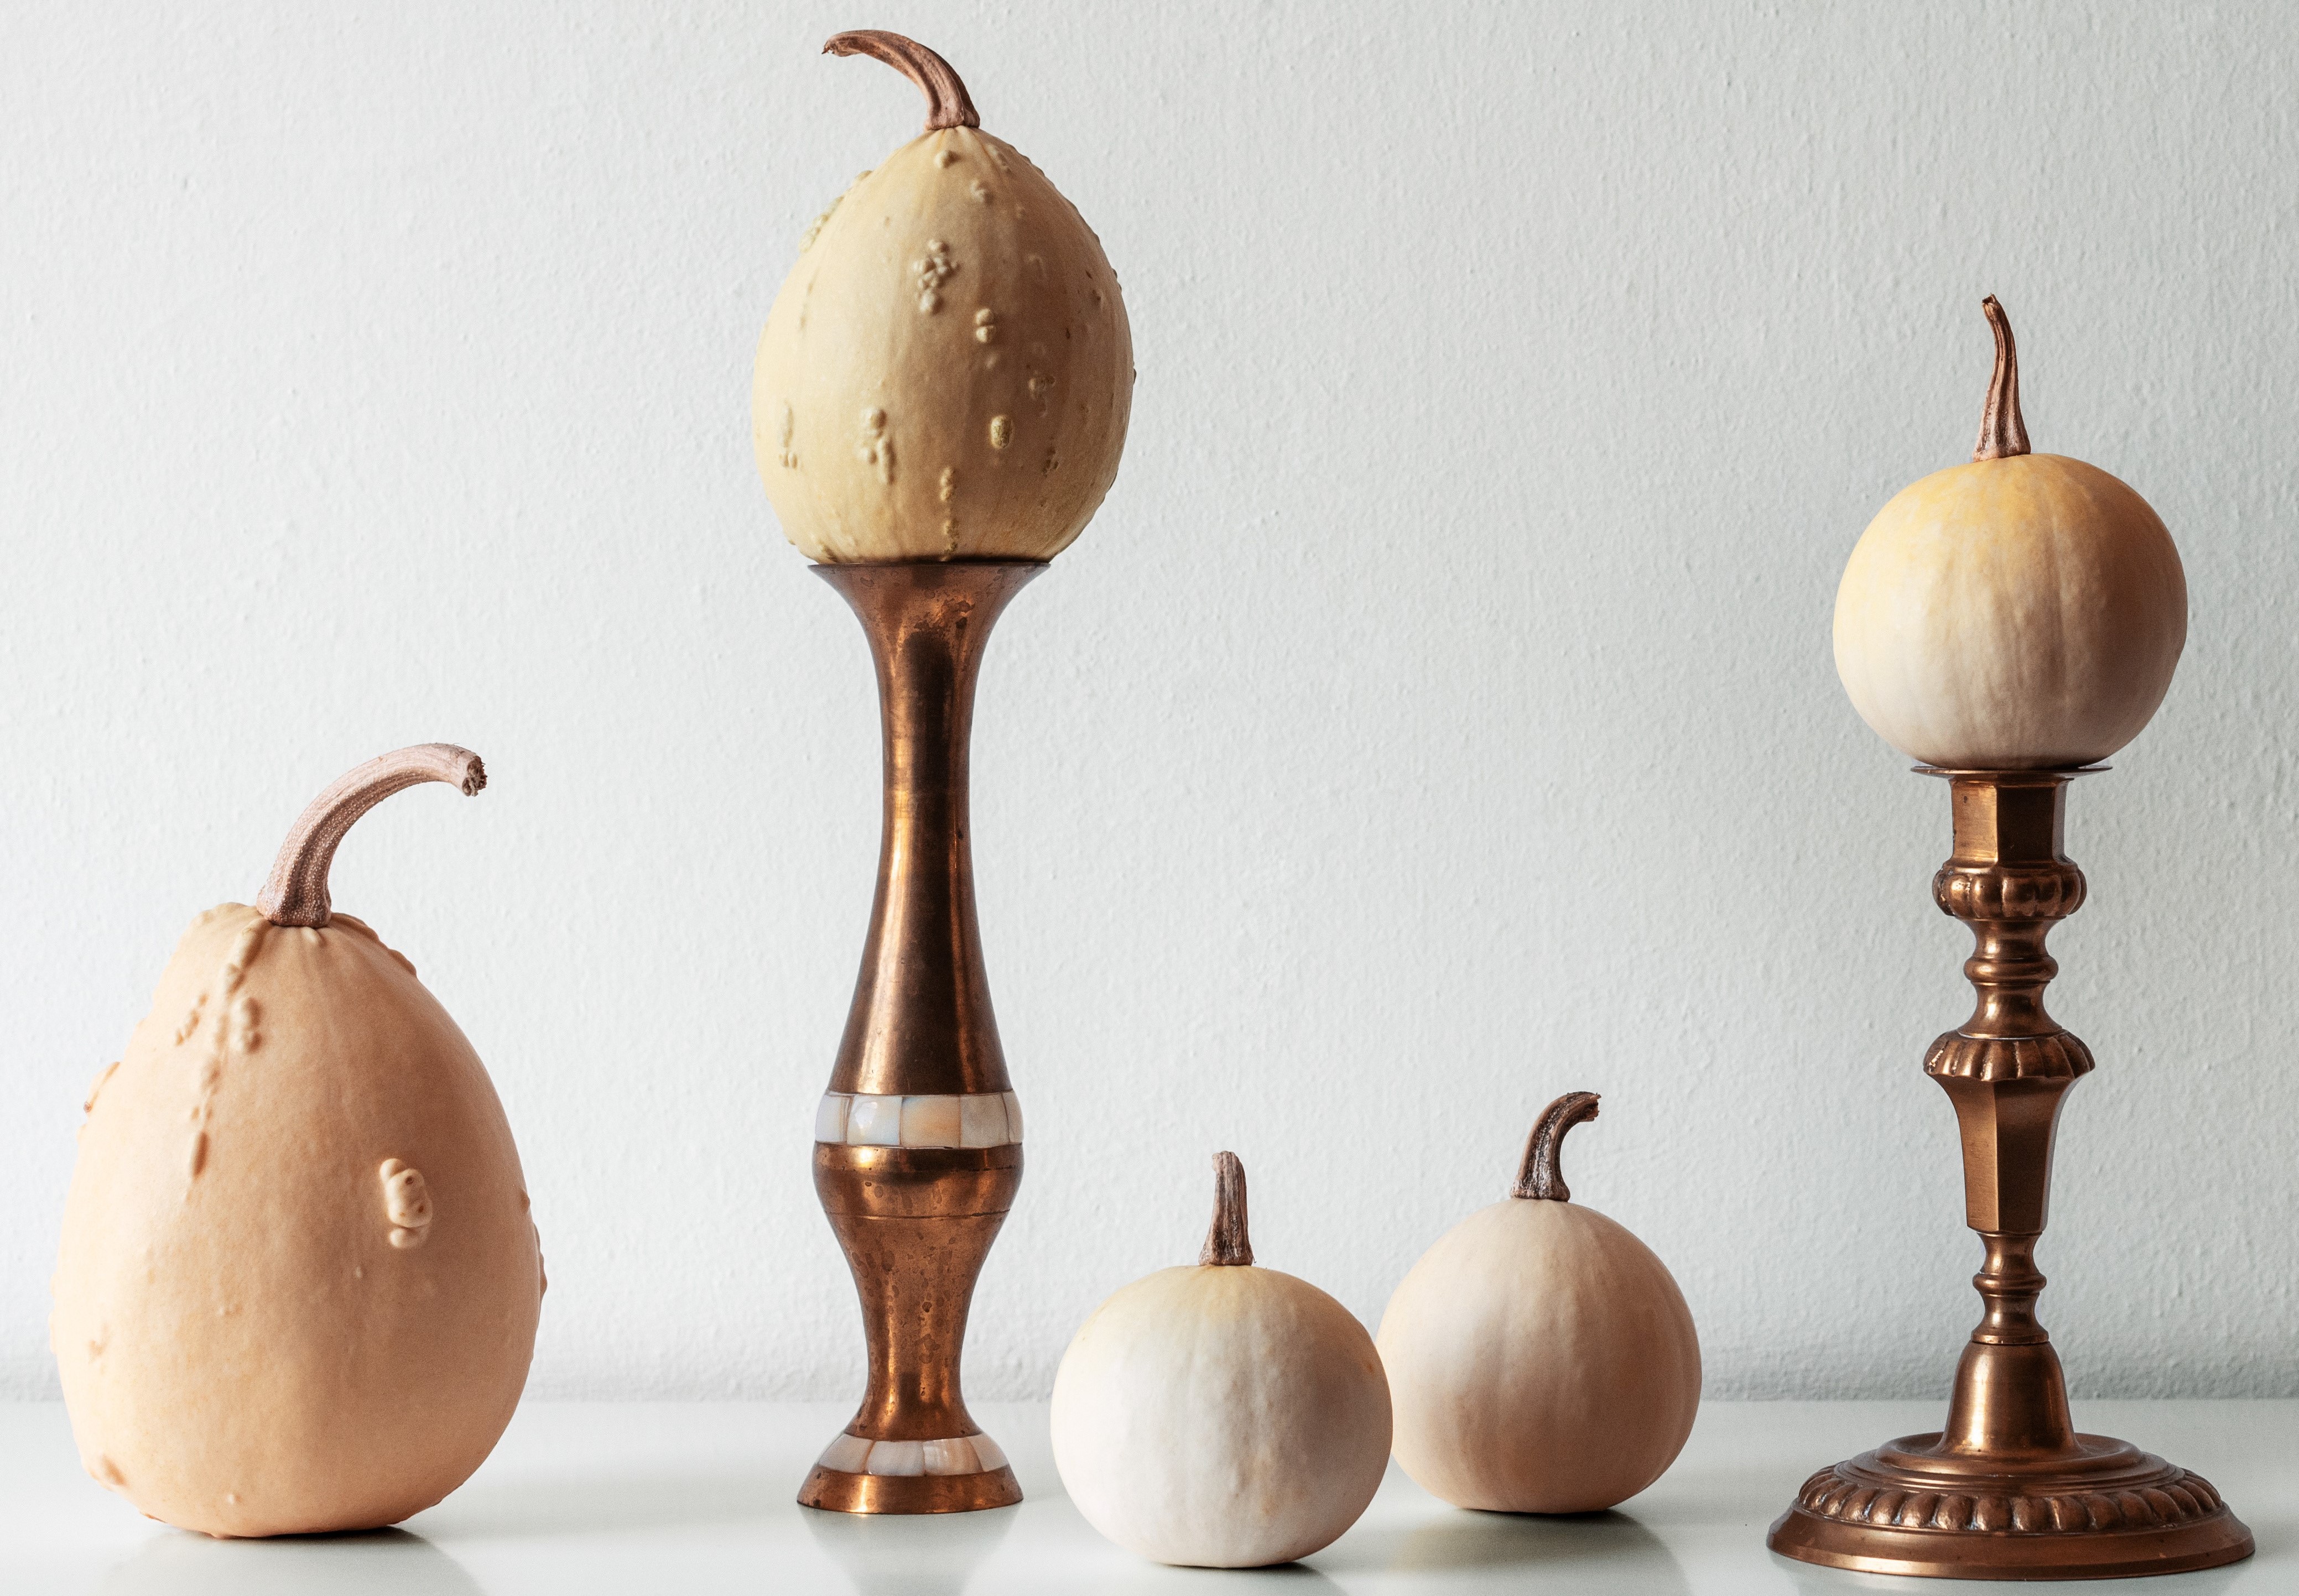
296 893
2002 430
947 105
1227 1242
1540 1177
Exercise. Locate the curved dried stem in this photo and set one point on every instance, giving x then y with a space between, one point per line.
296 893
947 103
1227 1242
2002 430
1540 1177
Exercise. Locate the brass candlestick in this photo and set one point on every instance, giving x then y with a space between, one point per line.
2009 1490
918 1143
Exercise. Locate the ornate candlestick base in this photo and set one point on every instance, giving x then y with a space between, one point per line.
2009 1490
918 1144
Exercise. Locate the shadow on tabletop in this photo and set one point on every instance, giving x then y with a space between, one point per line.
380 1562
937 1554
1597 1551
922 1554
1148 1579
1810 1580
2276 1535
585 1504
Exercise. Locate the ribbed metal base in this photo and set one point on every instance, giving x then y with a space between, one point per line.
2106 1510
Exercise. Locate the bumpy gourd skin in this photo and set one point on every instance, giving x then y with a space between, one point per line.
948 372
1220 1416
260 1330
2019 613
1542 1361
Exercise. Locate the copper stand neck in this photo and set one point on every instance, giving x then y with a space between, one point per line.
2008 1489
921 1019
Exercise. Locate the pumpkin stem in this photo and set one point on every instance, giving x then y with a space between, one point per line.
297 894
2002 430
1227 1243
1540 1177
947 105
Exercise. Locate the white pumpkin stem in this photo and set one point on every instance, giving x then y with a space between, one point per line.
1227 1242
2001 429
296 893
1540 1176
948 104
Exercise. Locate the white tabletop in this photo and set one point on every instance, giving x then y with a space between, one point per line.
585 1498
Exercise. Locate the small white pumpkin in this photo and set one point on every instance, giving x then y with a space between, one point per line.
2021 612
1540 1357
946 372
1224 1416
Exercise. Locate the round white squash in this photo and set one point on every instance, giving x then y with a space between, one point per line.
946 372
2023 611
298 1285
1540 1357
1224 1416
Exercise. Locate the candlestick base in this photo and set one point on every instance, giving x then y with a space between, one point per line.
2101 1510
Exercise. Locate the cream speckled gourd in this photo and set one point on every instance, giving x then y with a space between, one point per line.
2021 612
947 371
1224 1416
1541 1360
298 1285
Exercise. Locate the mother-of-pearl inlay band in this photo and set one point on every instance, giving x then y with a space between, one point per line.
960 1454
868 1120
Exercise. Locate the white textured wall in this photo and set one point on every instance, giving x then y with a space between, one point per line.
1439 715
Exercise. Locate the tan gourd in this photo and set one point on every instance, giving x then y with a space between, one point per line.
2024 611
298 1285
1224 1416
1541 1358
947 371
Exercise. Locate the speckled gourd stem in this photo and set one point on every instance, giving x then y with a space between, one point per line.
296 891
948 104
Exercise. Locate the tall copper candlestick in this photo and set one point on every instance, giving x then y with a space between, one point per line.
2009 1490
918 1145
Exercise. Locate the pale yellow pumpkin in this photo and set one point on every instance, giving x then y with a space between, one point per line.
948 372
2022 611
298 1285
1223 1415
1540 1357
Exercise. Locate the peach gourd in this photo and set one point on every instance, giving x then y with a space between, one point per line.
298 1284
1540 1357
